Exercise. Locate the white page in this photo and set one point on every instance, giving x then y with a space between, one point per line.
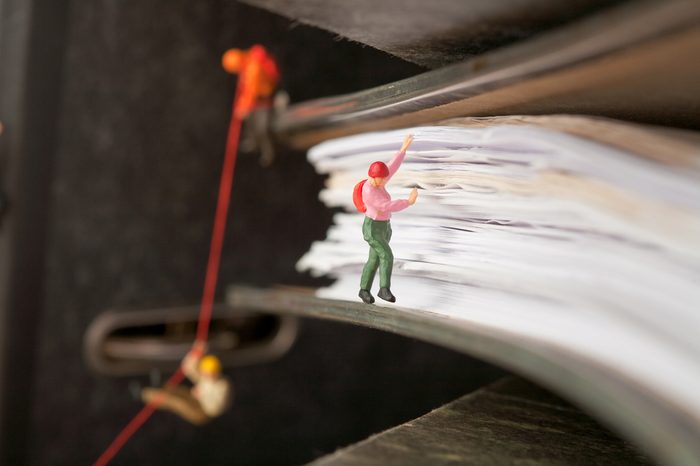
537 233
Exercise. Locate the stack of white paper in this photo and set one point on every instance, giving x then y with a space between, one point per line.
535 232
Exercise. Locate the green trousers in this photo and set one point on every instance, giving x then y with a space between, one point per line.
377 233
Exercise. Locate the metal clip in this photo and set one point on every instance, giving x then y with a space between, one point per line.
121 343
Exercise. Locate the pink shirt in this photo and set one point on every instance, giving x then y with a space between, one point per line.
377 200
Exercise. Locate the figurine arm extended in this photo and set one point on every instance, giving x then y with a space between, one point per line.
189 366
396 161
390 206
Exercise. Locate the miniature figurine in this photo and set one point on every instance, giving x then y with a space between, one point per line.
209 396
373 199
259 75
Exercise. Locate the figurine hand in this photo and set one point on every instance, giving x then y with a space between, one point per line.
198 349
413 196
406 142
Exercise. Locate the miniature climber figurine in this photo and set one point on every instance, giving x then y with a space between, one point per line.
371 197
258 74
209 396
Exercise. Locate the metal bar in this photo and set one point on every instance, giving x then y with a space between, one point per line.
589 67
121 343
507 422
656 425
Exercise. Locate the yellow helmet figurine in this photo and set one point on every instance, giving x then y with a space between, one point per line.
210 365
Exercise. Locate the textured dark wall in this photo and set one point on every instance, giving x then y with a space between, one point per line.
31 49
141 133
435 33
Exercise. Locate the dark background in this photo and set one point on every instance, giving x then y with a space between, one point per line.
119 149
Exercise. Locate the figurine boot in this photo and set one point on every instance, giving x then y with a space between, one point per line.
366 296
386 295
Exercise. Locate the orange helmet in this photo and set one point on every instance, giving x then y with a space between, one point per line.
233 60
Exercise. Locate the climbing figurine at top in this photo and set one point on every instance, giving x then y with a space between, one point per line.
371 198
258 97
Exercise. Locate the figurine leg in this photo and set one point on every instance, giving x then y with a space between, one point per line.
386 260
370 270
391 254
378 233
263 136
177 400
372 264
380 244
368 273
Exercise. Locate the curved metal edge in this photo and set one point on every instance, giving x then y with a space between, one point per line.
656 425
614 30
270 349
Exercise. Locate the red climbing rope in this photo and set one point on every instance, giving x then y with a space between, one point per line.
136 422
217 238
212 274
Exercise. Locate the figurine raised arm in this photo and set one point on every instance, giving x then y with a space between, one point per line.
371 198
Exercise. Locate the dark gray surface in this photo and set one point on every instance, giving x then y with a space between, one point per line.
508 422
437 32
31 53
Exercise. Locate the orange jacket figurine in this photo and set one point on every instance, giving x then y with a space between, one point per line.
258 75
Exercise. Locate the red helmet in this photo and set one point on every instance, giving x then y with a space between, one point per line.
378 170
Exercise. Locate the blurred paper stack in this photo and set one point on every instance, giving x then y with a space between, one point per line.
589 246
